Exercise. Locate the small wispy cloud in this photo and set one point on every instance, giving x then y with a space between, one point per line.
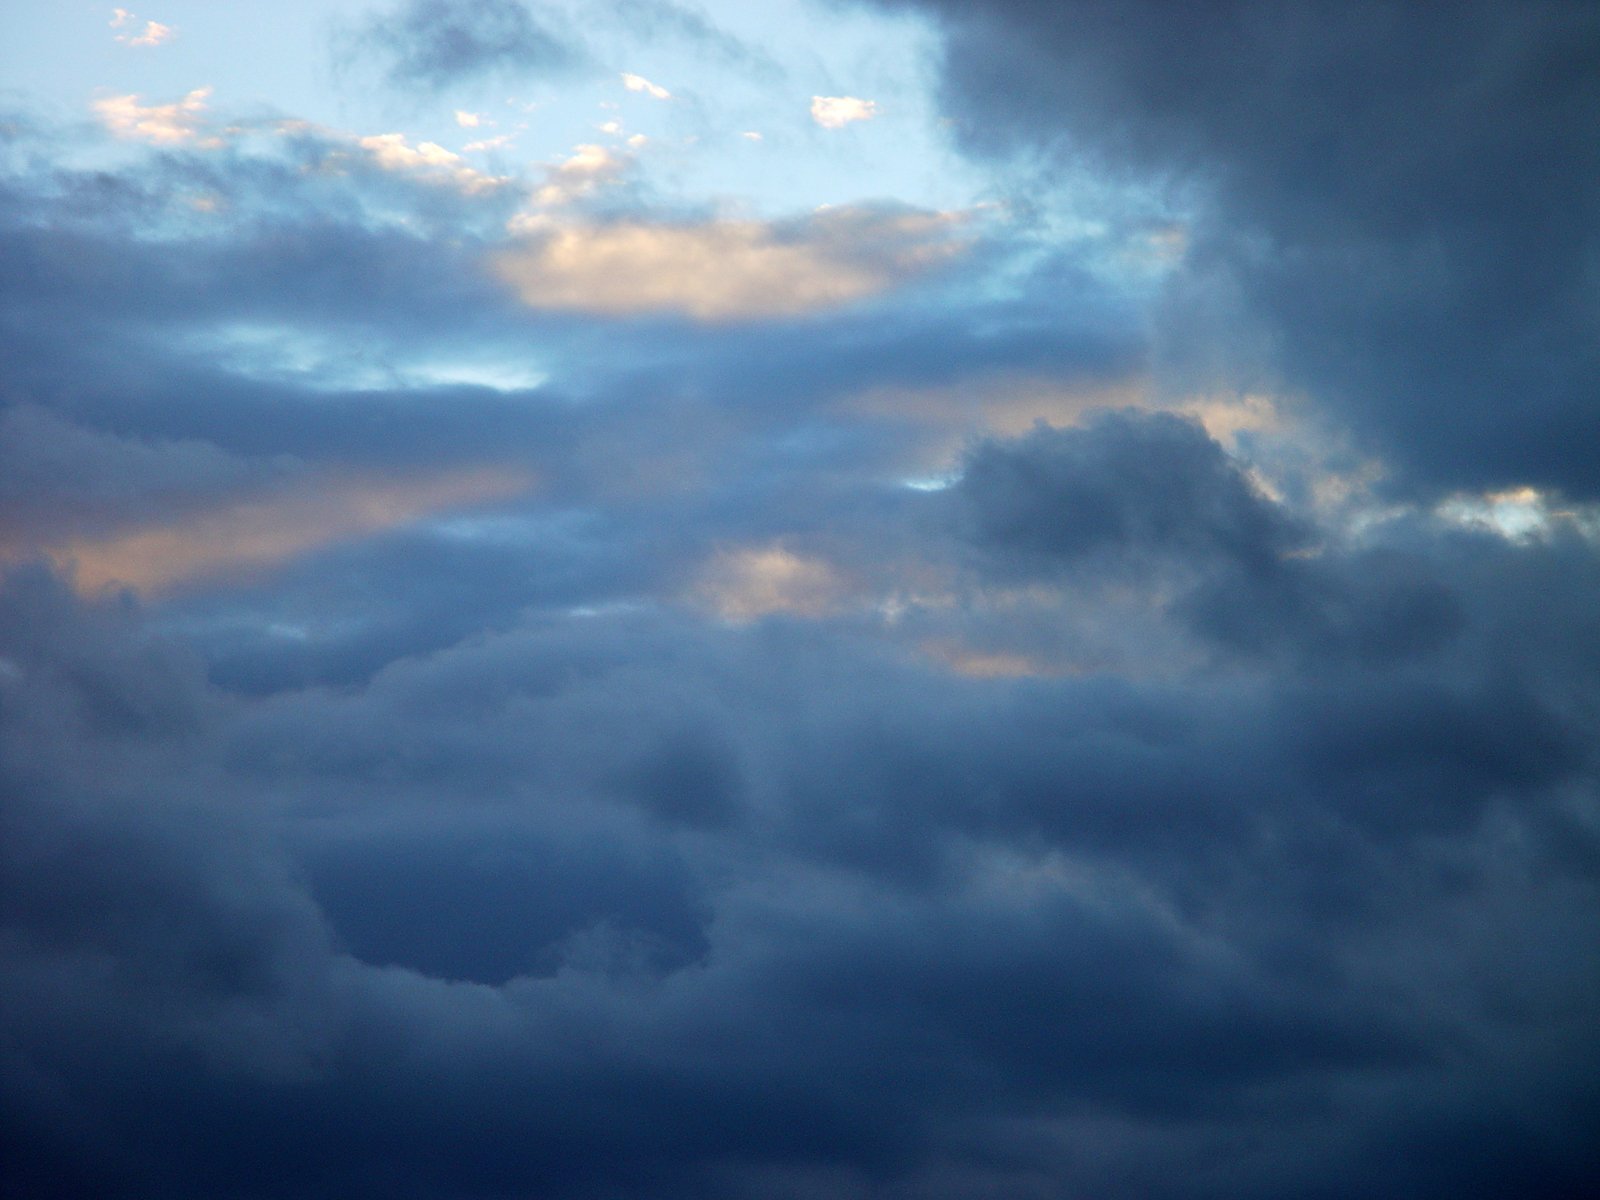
494 143
153 33
834 112
638 83
468 120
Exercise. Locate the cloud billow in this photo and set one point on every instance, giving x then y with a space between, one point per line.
985 911
1127 482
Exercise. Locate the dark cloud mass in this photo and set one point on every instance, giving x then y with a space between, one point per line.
1124 483
1408 200
455 750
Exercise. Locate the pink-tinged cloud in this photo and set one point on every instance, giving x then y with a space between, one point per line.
750 582
728 270
162 124
245 537
153 33
427 160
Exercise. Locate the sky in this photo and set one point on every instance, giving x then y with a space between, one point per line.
850 599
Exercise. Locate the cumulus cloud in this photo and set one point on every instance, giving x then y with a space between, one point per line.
835 112
1139 483
588 169
728 270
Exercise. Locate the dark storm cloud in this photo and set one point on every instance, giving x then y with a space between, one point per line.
1147 496
1406 198
438 43
1130 483
1145 906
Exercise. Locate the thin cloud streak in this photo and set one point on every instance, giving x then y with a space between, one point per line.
244 538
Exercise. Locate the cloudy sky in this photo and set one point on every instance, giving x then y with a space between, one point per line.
869 599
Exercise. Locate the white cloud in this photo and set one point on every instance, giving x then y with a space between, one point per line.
392 151
468 120
751 135
1520 514
154 34
834 112
429 159
163 124
120 17
638 83
590 167
494 143
724 270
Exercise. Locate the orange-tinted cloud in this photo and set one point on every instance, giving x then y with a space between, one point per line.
728 270
163 124
755 581
266 531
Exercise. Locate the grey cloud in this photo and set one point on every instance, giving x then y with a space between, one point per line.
1153 497
1404 200
60 478
739 993
441 43
1129 483
655 18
